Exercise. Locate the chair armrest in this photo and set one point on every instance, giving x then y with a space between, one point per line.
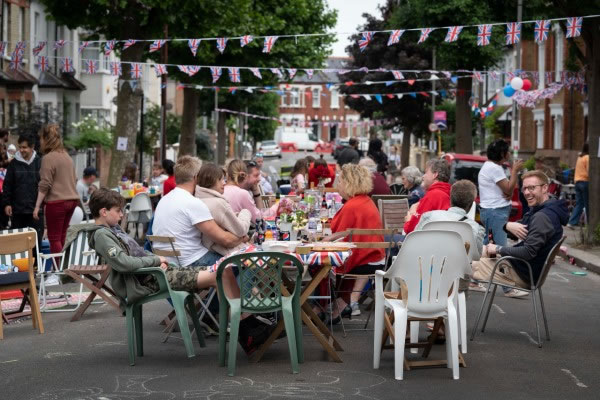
47 256
157 273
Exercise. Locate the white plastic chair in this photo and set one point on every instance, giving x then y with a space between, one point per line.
428 271
471 213
466 233
77 216
140 210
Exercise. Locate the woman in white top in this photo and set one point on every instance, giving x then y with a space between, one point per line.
495 190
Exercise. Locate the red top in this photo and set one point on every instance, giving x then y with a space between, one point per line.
380 186
168 185
359 213
437 197
320 172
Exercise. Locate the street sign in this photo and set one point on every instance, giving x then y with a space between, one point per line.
439 118
433 127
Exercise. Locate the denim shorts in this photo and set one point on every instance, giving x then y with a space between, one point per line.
208 260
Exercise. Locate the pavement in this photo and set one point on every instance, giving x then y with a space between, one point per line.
586 257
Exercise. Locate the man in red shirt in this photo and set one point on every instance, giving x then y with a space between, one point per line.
437 192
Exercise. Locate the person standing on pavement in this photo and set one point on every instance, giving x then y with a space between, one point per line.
21 187
581 186
495 190
3 164
349 154
85 187
56 188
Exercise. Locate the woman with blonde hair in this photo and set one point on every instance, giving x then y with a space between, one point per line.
57 188
241 179
359 212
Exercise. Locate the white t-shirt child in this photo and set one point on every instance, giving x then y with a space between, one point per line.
490 194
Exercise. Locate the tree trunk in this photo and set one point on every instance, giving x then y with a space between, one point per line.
187 141
464 137
221 138
405 152
594 136
128 113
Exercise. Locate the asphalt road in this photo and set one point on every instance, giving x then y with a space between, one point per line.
88 359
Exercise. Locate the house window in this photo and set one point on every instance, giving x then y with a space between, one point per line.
21 26
539 124
5 21
335 99
36 25
284 102
295 97
13 113
558 132
316 98
2 122
559 50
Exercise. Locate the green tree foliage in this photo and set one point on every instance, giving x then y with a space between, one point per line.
89 134
152 125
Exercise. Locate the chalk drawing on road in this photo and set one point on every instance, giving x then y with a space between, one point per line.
575 379
528 337
497 307
338 384
103 344
58 354
558 276
128 387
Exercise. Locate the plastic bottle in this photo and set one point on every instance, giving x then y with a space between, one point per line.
268 235
260 233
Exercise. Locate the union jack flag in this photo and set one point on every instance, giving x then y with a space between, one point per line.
59 44
67 65
156 45
2 48
256 72
184 68
574 26
129 43
193 70
91 66
15 60
193 45
536 78
83 45
136 71
365 40
513 32
494 75
108 47
269 42
160 69
424 34
395 37
477 76
483 34
221 44
309 73
542 27
20 47
216 73
510 76
397 74
234 74
246 39
115 68
549 77
38 49
277 72
42 63
292 72
453 33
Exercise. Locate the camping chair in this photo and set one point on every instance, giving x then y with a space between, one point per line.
203 299
392 212
398 189
365 245
260 293
80 262
424 280
466 233
140 211
180 299
535 287
16 243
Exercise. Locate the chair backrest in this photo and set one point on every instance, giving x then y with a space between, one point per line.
79 252
17 244
7 259
267 199
260 276
463 229
393 212
352 233
377 197
141 202
472 210
398 189
165 253
429 263
549 261
77 216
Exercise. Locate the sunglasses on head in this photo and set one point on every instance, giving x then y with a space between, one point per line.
251 164
258 155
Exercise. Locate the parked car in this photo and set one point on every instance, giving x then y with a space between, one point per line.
270 148
467 166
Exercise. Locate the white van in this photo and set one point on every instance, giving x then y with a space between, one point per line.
303 138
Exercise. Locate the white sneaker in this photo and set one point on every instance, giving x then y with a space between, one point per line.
516 294
51 280
355 309
478 287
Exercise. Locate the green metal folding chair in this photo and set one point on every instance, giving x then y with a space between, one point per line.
260 276
180 299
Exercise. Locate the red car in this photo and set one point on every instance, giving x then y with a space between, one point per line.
467 166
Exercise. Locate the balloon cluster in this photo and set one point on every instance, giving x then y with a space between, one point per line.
515 84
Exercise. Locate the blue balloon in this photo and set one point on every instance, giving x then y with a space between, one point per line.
509 91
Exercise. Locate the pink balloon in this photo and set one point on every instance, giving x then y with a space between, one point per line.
526 84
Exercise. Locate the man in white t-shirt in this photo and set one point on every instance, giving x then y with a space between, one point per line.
186 218
85 187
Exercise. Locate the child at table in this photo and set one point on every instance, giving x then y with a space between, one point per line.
124 255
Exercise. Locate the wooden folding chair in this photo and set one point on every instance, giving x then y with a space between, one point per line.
23 280
393 212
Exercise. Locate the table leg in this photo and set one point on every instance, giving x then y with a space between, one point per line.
307 309
321 338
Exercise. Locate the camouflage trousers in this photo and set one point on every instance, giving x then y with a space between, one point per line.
184 279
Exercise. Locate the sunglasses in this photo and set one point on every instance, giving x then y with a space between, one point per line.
251 164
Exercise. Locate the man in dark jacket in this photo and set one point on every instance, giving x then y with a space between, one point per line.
21 187
539 230
349 154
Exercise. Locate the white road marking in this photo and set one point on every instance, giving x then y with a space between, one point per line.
528 337
9 361
575 379
560 276
497 307
59 354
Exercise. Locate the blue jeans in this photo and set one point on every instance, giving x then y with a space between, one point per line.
208 259
494 219
581 201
